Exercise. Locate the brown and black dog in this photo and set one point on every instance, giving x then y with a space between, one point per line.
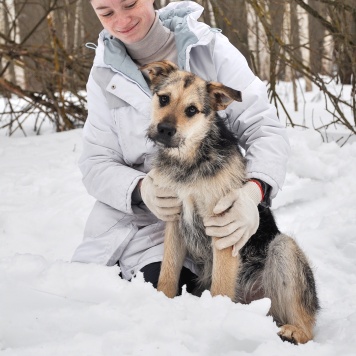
200 159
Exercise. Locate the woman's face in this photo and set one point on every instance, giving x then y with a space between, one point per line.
127 20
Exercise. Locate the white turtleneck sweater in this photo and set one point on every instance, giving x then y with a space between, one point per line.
158 44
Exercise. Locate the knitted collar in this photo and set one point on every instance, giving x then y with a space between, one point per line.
155 39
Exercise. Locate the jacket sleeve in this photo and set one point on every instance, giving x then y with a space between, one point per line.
254 120
105 174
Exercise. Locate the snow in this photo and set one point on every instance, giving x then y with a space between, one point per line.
315 109
49 306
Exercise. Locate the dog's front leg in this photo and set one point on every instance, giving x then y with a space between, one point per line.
173 258
225 270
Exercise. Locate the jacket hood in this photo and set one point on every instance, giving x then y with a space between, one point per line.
177 11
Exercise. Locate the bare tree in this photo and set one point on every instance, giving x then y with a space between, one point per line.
41 44
44 61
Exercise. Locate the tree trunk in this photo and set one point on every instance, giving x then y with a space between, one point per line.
90 23
276 14
207 15
294 31
5 26
316 38
231 18
344 47
33 32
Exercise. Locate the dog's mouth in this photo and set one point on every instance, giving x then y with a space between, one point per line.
164 142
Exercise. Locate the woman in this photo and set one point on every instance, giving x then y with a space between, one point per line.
126 224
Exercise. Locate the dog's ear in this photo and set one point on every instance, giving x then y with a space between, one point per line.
157 71
221 96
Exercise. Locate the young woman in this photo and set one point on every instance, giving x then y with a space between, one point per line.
126 225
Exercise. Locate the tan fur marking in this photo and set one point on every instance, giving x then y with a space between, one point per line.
172 263
225 270
303 323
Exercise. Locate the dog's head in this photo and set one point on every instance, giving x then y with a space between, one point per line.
183 105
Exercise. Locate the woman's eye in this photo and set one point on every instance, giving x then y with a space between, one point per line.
107 15
164 100
130 6
191 111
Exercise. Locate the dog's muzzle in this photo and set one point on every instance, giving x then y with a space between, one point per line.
165 134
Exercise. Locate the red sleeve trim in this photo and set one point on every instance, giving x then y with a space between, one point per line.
260 186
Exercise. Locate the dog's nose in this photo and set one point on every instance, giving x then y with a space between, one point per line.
165 129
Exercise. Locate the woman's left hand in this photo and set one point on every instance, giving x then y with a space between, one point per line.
236 217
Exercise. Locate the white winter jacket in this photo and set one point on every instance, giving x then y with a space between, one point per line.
116 153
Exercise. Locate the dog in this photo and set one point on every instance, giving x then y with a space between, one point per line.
199 157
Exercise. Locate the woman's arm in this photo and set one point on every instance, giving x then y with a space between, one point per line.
105 174
255 119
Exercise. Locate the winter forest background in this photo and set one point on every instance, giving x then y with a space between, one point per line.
305 51
44 61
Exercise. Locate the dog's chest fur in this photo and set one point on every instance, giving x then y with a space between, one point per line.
200 187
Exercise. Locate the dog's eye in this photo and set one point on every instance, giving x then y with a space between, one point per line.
163 100
191 111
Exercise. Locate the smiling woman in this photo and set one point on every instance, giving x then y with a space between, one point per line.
127 20
125 226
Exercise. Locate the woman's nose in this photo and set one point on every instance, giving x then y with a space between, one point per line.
122 22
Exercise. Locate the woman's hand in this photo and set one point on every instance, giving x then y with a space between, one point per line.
162 202
236 217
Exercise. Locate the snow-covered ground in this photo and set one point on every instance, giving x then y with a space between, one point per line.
49 306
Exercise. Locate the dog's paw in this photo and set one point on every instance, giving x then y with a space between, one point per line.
293 334
169 290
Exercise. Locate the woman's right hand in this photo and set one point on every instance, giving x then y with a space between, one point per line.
162 202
